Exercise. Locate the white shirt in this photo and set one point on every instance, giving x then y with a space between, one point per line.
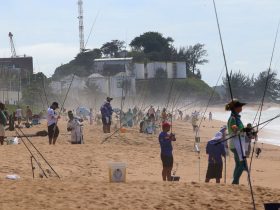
76 130
52 117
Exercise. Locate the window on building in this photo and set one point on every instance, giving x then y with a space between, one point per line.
174 70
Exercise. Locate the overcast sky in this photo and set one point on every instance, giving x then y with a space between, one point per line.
48 30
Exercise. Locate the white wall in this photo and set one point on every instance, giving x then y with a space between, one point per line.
139 70
10 97
181 70
151 68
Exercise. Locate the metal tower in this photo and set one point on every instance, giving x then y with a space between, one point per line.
81 25
13 50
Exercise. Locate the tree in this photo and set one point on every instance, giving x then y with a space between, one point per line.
153 45
273 88
193 56
81 66
241 85
112 49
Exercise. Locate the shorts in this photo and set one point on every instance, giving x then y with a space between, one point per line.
214 171
104 121
2 130
167 161
51 132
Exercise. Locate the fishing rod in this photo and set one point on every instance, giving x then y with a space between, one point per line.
32 157
262 123
231 95
122 124
210 99
91 29
41 155
62 106
264 93
44 90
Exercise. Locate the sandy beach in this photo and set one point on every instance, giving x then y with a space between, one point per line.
84 182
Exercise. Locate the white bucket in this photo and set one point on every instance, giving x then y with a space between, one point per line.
117 172
12 140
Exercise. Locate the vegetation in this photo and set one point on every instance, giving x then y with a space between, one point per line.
246 87
158 89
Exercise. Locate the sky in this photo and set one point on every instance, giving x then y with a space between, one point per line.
48 30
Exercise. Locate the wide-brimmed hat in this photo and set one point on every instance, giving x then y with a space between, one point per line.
234 104
109 99
223 128
218 136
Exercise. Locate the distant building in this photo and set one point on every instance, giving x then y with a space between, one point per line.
115 86
61 86
113 66
25 64
10 97
173 70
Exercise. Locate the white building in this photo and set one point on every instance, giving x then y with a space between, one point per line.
113 66
176 70
115 86
62 85
10 97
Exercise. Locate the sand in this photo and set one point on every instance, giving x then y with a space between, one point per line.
84 182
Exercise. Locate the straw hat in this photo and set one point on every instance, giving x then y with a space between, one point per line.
234 104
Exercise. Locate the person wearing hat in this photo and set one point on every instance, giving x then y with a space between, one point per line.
3 122
75 126
165 141
107 112
235 126
52 118
215 154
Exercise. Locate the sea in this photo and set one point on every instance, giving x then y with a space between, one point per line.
270 134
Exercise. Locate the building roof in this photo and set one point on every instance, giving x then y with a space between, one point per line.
113 59
95 75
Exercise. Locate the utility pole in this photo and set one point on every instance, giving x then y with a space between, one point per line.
13 50
81 25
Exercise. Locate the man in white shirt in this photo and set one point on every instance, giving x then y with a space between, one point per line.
52 118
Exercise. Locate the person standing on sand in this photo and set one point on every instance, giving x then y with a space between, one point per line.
90 116
165 141
215 162
3 122
52 118
235 126
75 127
210 116
107 112
28 114
19 115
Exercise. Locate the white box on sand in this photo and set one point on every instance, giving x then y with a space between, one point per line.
117 172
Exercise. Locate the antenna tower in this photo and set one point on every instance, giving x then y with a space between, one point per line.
81 25
13 50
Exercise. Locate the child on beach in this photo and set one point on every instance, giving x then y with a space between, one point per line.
165 140
215 162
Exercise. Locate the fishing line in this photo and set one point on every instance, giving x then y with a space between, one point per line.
264 94
62 106
230 89
39 152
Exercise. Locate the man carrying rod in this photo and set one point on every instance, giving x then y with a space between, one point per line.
52 119
106 112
